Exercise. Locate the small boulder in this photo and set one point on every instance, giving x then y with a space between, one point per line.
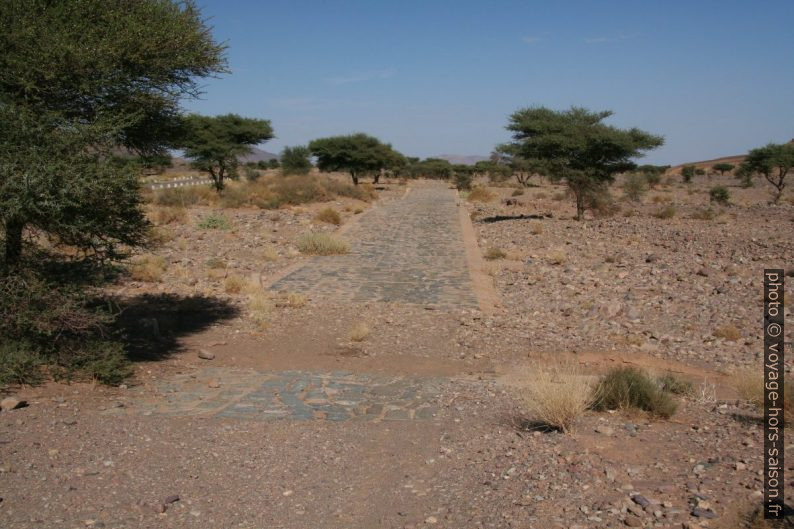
205 355
12 403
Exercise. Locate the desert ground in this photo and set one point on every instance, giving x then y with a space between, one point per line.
387 387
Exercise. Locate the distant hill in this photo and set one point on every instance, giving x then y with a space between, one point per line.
258 155
461 159
735 160
705 164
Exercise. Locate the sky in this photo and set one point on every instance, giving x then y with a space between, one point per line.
432 77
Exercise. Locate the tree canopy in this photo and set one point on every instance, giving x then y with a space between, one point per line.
773 162
295 160
84 85
356 154
575 145
215 143
723 168
80 80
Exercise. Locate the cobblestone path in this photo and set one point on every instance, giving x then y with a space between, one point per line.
294 395
408 251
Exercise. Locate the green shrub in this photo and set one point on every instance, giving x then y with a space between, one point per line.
628 387
251 173
214 222
635 187
463 180
675 385
57 324
19 364
687 172
653 179
720 195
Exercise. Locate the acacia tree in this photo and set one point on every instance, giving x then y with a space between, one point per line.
215 143
295 160
687 173
576 146
722 168
79 80
773 162
356 154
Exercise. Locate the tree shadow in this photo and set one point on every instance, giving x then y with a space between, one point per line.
151 325
499 218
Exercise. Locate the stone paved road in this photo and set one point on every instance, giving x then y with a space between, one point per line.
293 395
408 251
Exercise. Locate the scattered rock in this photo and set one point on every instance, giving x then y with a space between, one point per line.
214 383
12 403
633 521
206 355
604 429
171 499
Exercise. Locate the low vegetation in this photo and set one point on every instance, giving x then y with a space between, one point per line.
667 212
480 194
328 215
720 195
627 387
148 268
270 192
214 222
635 187
495 253
359 332
555 397
322 244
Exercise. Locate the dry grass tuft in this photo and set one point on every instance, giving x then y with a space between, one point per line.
727 332
293 300
322 244
169 215
269 254
495 253
749 383
557 396
148 268
260 308
234 284
557 256
329 215
359 332
536 227
667 212
480 194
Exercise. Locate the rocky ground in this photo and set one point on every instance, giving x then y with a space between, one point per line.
620 290
682 288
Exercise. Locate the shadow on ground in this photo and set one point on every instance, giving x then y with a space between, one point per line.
500 218
152 324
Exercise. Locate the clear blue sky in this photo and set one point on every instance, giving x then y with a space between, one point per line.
439 77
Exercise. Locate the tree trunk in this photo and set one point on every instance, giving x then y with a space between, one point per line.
579 206
13 243
355 178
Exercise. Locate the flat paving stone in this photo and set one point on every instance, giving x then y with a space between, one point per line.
407 251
